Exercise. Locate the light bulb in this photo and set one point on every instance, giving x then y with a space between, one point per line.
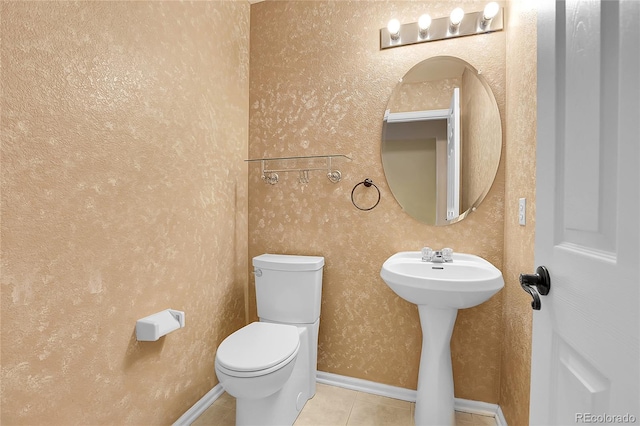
491 10
424 22
456 16
394 29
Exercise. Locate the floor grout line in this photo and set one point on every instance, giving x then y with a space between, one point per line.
351 409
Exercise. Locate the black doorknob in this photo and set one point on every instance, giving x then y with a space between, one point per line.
536 284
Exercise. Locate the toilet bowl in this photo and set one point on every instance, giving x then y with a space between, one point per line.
257 360
270 366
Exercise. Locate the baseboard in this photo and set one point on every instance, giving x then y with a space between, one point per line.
366 386
200 407
500 420
464 405
475 407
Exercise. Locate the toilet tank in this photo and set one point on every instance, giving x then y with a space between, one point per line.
288 287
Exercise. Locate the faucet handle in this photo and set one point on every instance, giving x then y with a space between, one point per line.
447 254
427 254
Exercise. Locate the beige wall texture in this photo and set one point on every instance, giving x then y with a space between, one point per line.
124 126
320 85
422 96
520 170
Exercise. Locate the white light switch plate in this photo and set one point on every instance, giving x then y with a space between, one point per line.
522 211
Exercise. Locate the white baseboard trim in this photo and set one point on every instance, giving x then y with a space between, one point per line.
366 386
475 407
404 394
199 407
464 405
500 420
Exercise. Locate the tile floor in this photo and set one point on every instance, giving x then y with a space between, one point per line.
333 406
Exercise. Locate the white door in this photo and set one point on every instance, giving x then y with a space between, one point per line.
453 156
585 356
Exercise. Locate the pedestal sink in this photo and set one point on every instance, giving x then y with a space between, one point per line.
439 290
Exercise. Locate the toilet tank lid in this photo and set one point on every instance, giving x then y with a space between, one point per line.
287 262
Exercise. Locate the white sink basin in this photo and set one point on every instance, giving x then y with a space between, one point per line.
467 281
439 290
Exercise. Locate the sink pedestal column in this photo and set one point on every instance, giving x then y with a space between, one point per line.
434 401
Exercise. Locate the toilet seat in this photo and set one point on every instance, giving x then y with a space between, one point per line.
258 349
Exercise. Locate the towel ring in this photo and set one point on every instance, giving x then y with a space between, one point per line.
367 183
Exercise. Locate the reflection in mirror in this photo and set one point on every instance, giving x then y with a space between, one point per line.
441 140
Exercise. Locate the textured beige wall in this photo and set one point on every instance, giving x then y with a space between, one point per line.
422 96
520 182
124 127
319 85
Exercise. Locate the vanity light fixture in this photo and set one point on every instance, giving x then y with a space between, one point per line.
457 24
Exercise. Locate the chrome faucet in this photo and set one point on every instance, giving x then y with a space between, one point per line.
438 256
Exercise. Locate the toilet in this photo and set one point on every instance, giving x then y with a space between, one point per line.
270 366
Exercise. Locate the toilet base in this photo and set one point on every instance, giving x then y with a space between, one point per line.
283 407
279 409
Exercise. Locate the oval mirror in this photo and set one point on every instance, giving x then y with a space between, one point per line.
441 140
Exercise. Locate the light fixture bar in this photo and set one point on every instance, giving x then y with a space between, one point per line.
471 24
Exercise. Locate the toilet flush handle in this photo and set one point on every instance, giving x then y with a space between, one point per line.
257 272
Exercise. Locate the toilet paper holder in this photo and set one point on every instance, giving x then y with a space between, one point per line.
153 327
